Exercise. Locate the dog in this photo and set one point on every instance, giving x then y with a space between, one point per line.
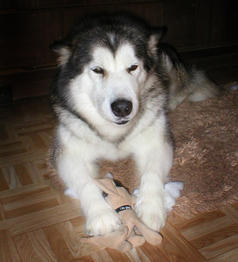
114 86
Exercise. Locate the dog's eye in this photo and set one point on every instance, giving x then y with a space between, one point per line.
132 68
98 70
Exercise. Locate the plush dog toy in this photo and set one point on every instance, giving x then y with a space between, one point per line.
132 232
125 237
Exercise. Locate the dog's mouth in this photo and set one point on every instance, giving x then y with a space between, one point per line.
121 122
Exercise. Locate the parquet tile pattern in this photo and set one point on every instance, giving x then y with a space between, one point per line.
38 223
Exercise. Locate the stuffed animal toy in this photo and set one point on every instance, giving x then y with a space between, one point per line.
125 237
132 232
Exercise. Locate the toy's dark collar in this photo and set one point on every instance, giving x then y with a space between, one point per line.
122 208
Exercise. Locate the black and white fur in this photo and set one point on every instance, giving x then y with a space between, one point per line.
110 97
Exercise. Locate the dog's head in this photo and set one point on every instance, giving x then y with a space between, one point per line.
104 64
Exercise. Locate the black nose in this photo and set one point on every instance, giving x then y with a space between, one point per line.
121 108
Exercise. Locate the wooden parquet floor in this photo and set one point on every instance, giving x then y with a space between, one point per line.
38 223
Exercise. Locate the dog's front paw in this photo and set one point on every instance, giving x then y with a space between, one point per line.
152 213
102 222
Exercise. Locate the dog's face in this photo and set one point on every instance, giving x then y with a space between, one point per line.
109 70
112 82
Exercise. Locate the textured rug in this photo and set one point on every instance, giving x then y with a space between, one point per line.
206 155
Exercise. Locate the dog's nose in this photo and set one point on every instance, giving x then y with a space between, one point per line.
121 108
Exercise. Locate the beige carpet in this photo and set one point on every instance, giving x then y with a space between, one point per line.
206 155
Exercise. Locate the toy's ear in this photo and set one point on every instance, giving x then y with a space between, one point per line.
107 185
63 49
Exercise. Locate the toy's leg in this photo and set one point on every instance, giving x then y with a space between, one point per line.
125 247
136 240
115 240
151 236
122 234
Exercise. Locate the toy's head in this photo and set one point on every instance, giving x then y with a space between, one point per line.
115 194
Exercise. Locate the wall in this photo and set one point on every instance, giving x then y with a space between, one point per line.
27 27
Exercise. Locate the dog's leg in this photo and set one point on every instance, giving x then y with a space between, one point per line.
154 158
100 217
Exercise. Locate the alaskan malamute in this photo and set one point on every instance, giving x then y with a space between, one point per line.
114 85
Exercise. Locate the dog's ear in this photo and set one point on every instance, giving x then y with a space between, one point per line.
63 49
154 39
